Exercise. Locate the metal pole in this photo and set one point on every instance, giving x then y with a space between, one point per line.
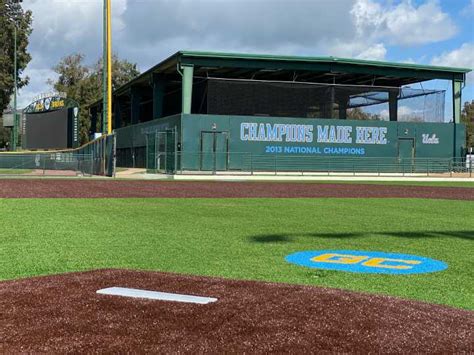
15 79
251 164
114 167
109 67
175 134
104 71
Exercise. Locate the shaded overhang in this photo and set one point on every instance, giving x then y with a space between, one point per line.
329 70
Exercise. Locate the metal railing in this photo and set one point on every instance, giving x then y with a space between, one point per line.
249 163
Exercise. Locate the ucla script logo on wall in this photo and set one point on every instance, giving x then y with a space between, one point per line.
371 262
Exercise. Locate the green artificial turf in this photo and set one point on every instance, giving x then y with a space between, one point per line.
243 239
15 171
467 183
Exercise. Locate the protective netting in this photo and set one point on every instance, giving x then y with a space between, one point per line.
313 100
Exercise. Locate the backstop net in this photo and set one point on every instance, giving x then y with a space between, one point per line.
315 100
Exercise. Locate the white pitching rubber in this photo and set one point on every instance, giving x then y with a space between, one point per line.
153 295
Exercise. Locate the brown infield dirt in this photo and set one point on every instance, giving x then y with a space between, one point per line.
64 314
83 188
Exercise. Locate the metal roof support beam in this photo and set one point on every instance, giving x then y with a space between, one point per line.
393 105
457 89
93 112
342 103
158 84
187 88
135 98
117 113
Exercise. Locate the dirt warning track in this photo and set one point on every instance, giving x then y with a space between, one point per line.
63 188
64 314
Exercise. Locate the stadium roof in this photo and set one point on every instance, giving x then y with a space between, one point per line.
330 70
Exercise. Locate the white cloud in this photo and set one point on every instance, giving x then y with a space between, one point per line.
38 79
403 24
376 52
469 9
403 113
147 31
63 27
462 57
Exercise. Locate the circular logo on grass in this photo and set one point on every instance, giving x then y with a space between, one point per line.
369 262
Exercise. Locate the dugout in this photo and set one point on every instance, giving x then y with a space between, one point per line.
199 111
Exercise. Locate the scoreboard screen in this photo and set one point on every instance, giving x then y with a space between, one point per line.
47 130
51 123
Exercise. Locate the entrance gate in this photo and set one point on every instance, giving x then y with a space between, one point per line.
161 152
214 151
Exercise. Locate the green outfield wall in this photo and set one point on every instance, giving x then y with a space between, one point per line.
242 143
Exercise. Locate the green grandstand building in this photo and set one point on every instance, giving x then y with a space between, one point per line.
198 112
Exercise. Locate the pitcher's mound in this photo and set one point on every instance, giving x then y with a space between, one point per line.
64 313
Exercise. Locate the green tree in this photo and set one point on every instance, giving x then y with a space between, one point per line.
11 15
4 134
83 83
357 113
467 117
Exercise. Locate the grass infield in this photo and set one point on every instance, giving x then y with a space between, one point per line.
243 239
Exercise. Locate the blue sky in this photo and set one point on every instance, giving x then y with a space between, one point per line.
462 14
439 32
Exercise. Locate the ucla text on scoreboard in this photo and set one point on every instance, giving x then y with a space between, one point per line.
366 262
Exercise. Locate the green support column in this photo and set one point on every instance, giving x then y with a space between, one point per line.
342 103
457 101
457 88
93 113
158 84
187 97
393 105
117 114
135 105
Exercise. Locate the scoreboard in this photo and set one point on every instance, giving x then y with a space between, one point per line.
51 122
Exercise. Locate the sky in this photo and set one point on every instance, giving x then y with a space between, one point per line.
438 32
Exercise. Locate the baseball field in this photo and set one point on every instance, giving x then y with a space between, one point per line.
62 240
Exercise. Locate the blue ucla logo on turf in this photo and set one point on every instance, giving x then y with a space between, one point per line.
370 262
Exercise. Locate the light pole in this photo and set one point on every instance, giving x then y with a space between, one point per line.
107 69
16 121
15 88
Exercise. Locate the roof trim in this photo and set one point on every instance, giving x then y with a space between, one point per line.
323 60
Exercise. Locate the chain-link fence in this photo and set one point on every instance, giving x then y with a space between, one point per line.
250 164
94 158
42 164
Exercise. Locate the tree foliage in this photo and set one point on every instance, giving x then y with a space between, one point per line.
357 113
11 15
83 83
467 117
